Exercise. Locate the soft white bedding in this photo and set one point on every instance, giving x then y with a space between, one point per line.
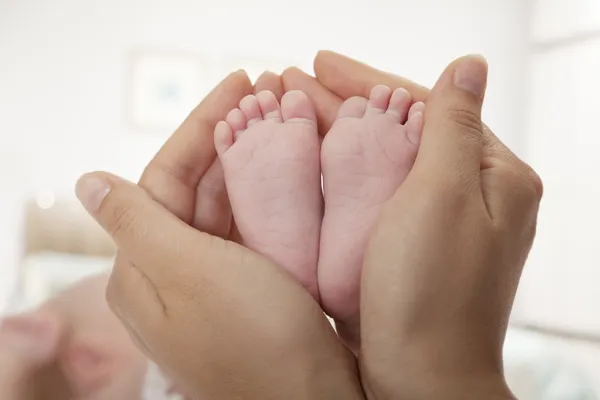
542 368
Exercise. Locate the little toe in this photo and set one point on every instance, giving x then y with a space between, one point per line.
223 137
269 106
379 99
419 106
236 119
295 104
399 105
414 127
354 107
249 105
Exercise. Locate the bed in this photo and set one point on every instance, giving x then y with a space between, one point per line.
61 245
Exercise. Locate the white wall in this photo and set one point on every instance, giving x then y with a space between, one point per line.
559 288
63 70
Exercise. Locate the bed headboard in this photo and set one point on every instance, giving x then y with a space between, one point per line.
64 227
60 244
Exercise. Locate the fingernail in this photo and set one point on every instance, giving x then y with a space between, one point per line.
91 191
471 75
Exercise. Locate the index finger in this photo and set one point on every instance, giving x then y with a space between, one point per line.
347 77
269 81
182 161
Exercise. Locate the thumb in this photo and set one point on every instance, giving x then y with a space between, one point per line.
452 139
149 240
146 234
28 343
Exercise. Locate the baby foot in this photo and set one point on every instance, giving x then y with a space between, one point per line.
365 157
270 157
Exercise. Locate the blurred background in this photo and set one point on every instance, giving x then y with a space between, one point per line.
88 85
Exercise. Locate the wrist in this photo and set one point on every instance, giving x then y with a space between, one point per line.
432 371
429 387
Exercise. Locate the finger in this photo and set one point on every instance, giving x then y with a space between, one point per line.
173 174
152 241
347 77
271 82
137 224
452 138
213 211
326 103
28 343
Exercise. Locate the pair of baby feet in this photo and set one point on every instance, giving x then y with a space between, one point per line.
278 173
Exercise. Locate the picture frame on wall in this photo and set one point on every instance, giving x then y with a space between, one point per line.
163 87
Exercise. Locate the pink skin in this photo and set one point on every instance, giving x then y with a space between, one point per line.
270 157
365 157
92 357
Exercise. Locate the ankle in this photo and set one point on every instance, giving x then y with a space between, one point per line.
433 372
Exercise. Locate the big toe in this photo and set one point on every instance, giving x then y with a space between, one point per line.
295 104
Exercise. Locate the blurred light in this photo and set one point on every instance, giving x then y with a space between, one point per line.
45 200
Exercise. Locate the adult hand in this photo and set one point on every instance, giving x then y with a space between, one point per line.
29 346
444 262
224 322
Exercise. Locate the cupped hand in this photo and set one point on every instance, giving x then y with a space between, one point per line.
453 240
445 259
223 321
